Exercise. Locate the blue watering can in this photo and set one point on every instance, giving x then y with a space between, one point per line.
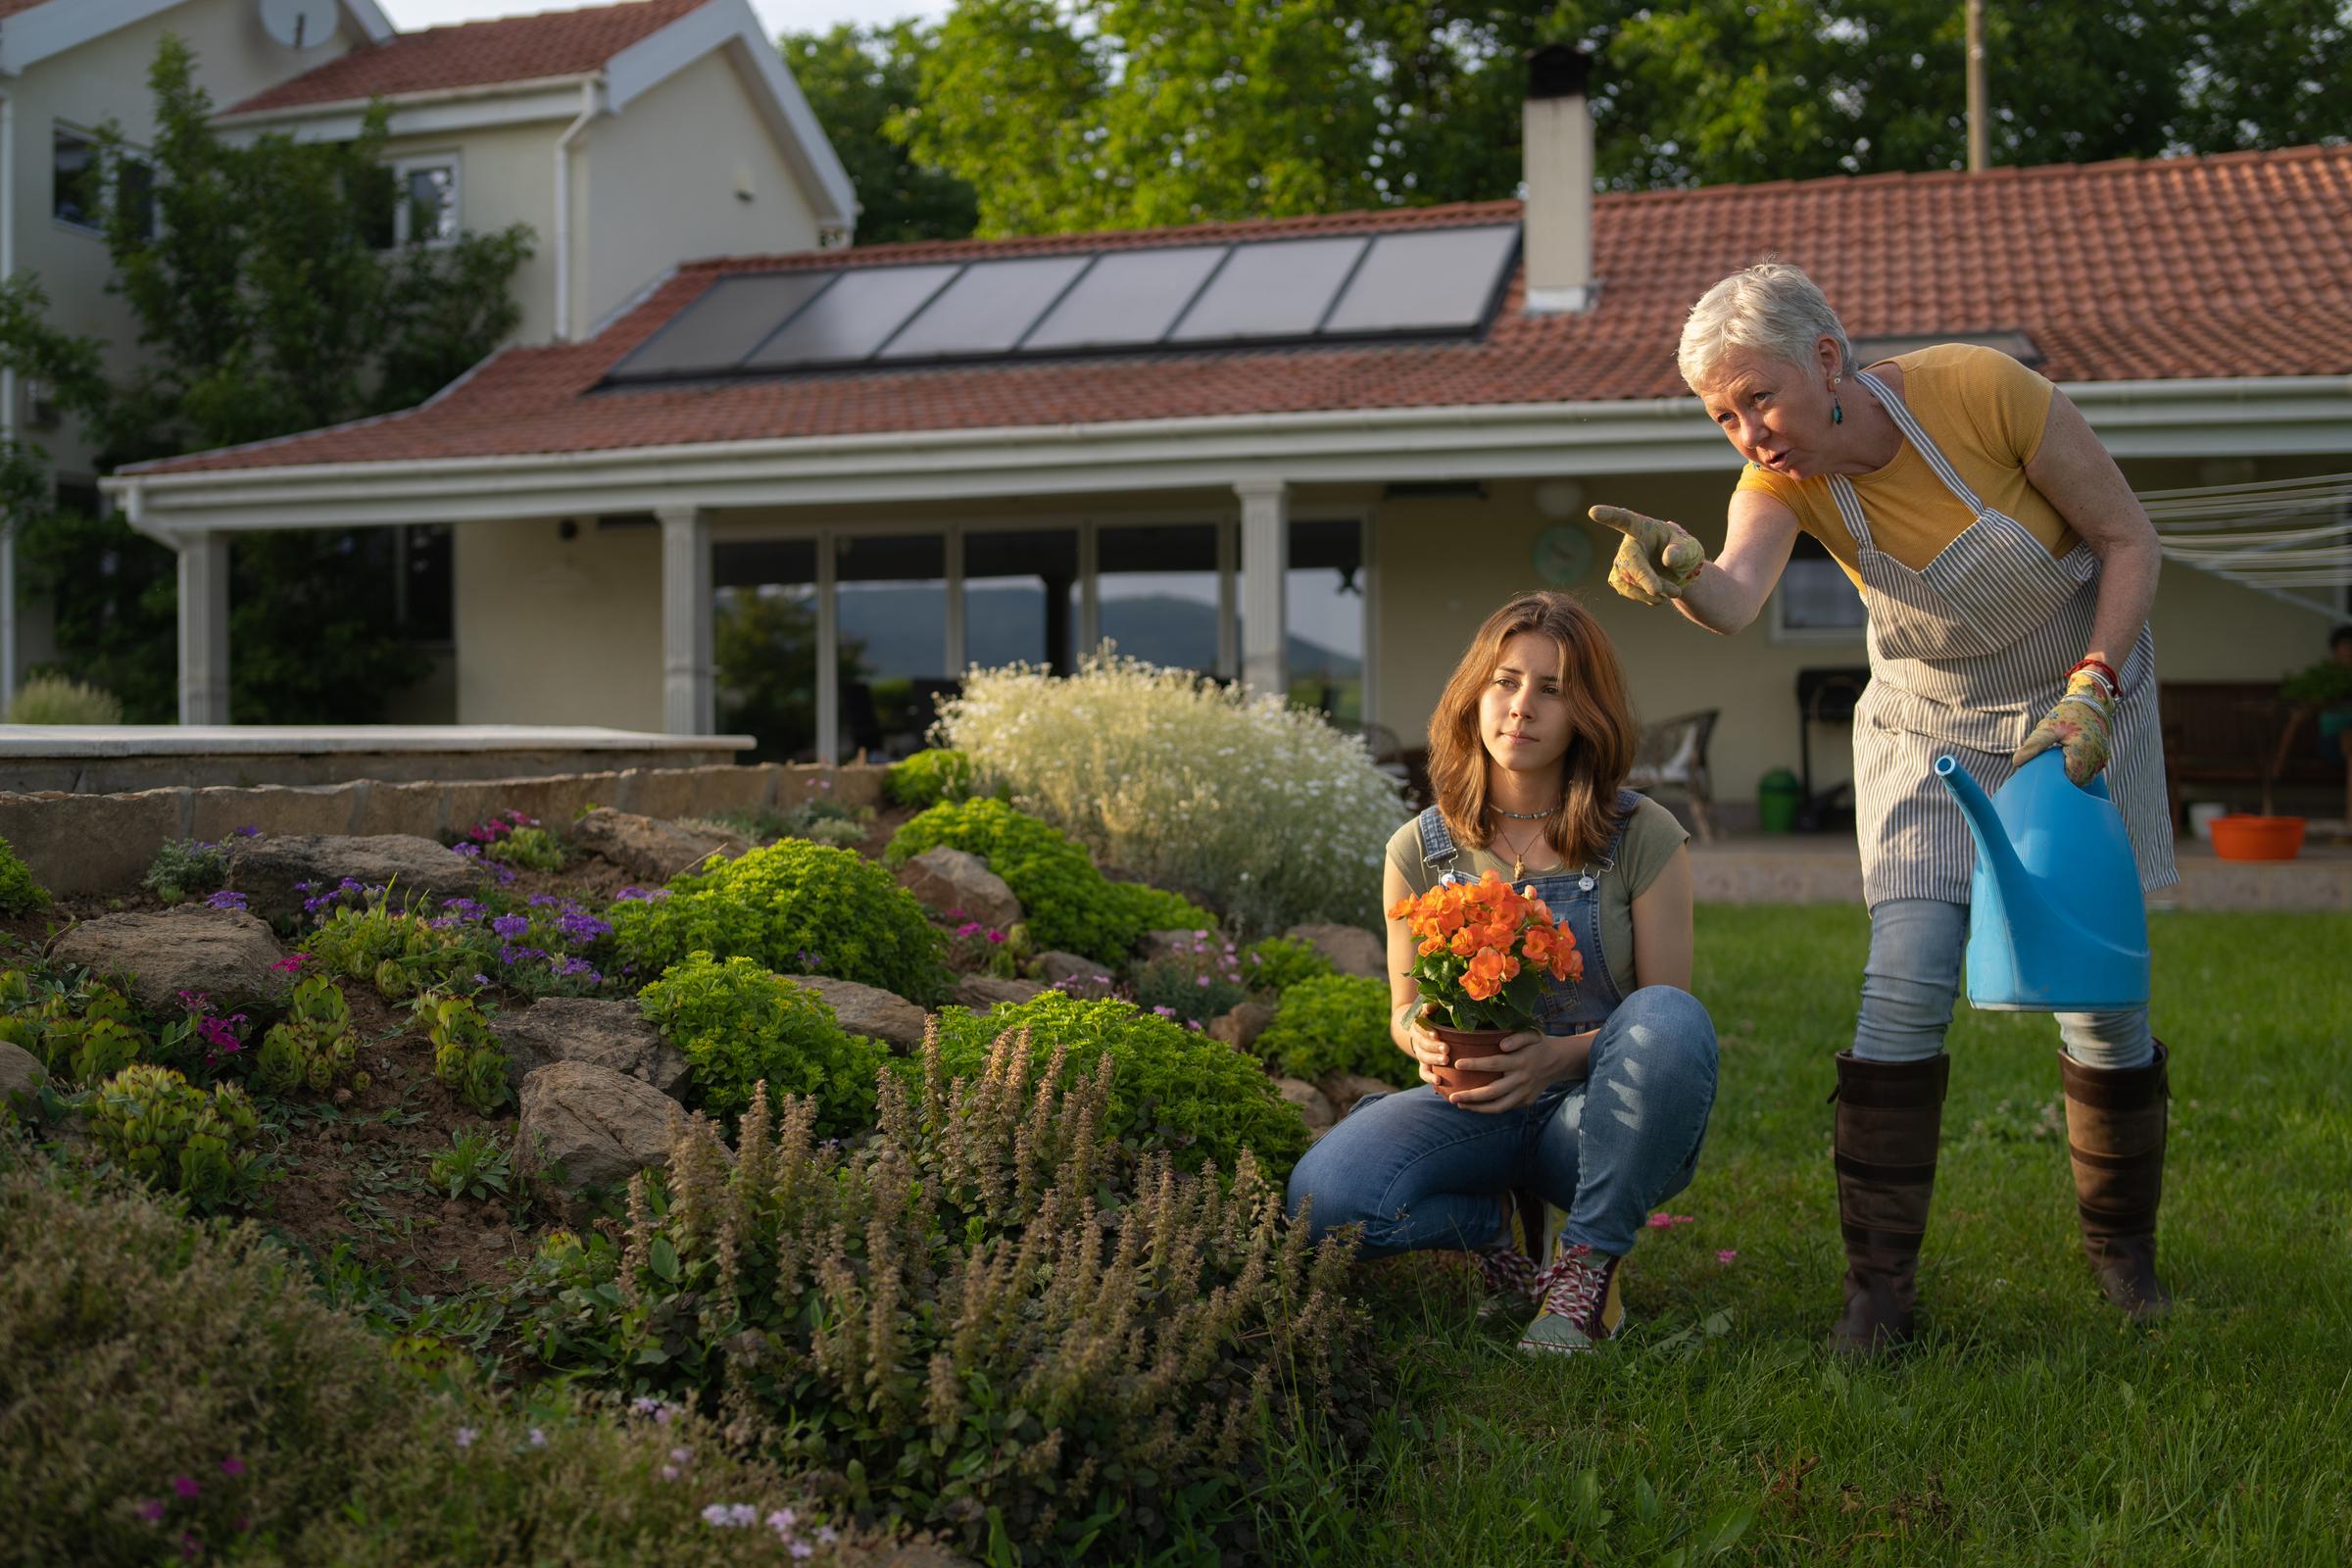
2056 923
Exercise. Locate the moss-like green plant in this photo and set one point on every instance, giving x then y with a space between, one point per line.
740 1026
468 1058
795 907
929 777
57 700
1335 1023
1177 1090
177 1138
1278 964
534 849
475 1163
313 1047
20 894
186 869
1070 905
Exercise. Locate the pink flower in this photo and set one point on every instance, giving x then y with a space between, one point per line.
1726 1254
152 1510
185 1485
995 936
1662 1220
232 1467
291 963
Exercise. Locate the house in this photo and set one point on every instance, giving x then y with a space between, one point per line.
1306 453
629 137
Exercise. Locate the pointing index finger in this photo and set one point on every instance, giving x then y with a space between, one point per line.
1627 523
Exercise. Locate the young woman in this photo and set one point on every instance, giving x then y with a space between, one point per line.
1603 1109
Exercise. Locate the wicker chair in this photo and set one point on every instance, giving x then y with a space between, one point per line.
1673 751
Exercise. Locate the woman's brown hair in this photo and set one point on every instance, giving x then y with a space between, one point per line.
1603 734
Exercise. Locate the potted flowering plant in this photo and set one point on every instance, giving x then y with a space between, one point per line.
1484 953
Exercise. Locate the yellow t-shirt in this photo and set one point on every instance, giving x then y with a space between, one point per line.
1986 412
1649 842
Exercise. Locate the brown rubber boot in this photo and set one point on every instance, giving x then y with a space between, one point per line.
2115 1121
1890 1117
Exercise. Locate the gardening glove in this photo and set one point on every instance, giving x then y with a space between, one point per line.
1655 560
2078 726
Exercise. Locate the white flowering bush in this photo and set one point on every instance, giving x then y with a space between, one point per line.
1266 808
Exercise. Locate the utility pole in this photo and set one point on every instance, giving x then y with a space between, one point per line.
1977 159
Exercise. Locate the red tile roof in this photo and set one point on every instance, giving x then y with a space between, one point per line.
2226 266
475 54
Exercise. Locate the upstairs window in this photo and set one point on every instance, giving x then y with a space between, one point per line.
77 179
425 194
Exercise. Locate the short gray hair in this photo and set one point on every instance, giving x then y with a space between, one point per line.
1772 307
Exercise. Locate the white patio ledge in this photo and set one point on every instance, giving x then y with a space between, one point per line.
295 740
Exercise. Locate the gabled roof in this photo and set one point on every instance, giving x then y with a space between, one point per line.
2214 268
475 54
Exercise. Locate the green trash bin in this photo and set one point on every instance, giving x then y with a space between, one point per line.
1777 796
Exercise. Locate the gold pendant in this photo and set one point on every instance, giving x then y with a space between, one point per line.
1518 870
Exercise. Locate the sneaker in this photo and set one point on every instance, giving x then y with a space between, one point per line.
1507 1272
1582 1302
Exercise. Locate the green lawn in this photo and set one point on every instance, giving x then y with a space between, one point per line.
2031 1425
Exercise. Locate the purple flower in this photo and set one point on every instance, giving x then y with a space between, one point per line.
462 908
225 900
249 831
217 1032
538 1438
472 851
232 1467
582 927
194 1000
510 926
350 884
1202 981
568 967
1165 1012
544 901
305 887
511 956
481 979
185 1485
152 1510
466 1437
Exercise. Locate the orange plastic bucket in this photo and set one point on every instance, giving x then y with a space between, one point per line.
2257 838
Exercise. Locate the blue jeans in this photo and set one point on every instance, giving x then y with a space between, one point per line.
1416 1171
1915 946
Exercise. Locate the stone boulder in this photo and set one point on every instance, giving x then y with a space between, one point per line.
1080 977
225 953
868 1010
1344 1089
417 870
1351 949
652 849
1311 1105
950 879
981 991
600 1125
1241 1027
601 1033
20 1072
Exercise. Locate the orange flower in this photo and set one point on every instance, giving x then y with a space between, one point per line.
1402 907
1567 964
1465 942
1488 972
1431 944
1538 945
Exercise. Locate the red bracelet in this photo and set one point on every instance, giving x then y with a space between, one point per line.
2106 673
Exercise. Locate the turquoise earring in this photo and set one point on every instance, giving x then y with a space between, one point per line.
1837 412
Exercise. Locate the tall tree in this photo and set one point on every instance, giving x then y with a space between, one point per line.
268 301
860 82
1094 114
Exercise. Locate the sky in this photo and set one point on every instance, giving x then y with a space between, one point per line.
777 15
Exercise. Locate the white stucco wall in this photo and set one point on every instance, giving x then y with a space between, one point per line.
659 185
557 631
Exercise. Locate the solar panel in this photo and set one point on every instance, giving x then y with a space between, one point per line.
986 310
1127 296
853 319
710 336
1274 289
1432 280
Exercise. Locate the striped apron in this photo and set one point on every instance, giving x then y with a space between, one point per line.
1966 656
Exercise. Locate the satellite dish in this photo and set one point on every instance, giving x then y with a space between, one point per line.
301 23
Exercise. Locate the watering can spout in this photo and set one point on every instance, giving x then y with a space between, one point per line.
2056 922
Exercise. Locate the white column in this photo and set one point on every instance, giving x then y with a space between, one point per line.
204 628
1265 558
687 678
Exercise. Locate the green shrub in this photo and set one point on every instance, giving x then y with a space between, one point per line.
927 778
1199 981
186 869
1278 964
1335 1023
797 907
468 1058
82 1031
1070 907
145 1350
987 1318
835 832
1177 1090
20 894
534 849
313 1047
1275 815
474 1163
59 700
177 1138
739 1027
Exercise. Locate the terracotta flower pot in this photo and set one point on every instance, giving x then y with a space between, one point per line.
2257 838
1465 1045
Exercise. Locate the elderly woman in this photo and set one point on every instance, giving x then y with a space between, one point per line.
2006 570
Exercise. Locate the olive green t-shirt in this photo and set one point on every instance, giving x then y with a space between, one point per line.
1649 842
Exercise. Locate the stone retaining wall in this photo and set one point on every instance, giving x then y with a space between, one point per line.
98 843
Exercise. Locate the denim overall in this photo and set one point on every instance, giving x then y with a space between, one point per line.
1414 1170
